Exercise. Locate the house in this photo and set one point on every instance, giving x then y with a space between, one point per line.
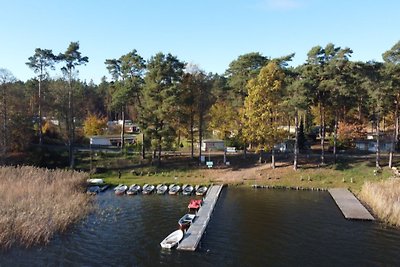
212 145
369 145
111 140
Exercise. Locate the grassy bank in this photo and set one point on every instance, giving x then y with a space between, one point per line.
352 175
37 203
384 199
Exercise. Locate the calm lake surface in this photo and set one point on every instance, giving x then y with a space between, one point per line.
248 228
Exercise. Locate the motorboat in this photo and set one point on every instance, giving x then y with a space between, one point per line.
174 190
195 204
120 189
186 221
201 191
172 239
148 189
161 189
133 189
188 190
95 181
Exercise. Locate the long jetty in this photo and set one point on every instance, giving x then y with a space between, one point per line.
193 235
350 205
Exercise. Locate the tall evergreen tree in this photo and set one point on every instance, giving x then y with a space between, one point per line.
71 58
161 94
40 62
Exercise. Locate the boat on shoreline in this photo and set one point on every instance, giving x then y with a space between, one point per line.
174 190
120 189
148 189
201 190
133 189
161 189
95 181
188 190
172 239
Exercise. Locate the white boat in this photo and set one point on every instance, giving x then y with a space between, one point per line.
201 190
172 239
170 186
174 190
186 220
133 189
162 189
120 189
95 181
148 189
188 190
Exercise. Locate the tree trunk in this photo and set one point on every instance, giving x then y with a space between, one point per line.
322 136
296 140
123 128
4 128
288 128
159 152
200 133
335 137
143 148
71 126
192 136
377 158
40 110
273 158
394 136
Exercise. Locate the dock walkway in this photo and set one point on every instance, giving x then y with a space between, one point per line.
193 235
350 205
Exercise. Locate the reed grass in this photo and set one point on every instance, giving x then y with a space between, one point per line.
37 203
384 199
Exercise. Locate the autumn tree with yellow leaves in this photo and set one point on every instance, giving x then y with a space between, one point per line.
262 108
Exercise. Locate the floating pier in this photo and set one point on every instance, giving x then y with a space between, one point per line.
192 237
350 205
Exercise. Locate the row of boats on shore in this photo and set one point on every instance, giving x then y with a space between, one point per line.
161 189
97 186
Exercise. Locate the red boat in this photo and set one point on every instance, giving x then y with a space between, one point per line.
195 204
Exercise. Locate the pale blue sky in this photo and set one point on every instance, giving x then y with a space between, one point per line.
210 33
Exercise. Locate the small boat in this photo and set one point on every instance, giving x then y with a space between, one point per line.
161 189
95 181
195 204
188 190
93 190
148 189
120 189
172 239
133 189
184 186
201 191
186 221
174 190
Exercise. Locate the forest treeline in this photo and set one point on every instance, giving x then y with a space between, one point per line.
171 101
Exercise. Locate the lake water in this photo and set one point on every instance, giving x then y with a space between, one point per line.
248 228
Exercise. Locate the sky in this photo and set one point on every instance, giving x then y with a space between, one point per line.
208 33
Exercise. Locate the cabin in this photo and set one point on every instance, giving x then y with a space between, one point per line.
370 145
111 140
212 145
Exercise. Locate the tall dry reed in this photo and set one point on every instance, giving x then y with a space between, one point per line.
384 199
36 203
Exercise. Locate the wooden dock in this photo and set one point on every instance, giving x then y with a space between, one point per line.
193 235
350 205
